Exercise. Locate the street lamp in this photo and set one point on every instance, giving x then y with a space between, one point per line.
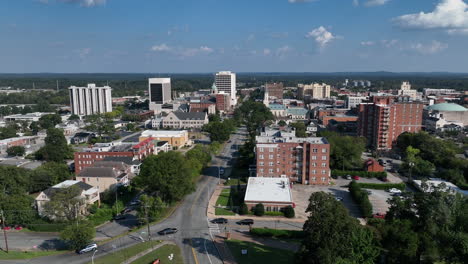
92 258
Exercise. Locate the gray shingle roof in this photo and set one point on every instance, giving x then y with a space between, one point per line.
105 172
190 115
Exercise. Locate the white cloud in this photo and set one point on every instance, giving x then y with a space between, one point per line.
162 47
431 48
367 43
321 36
389 43
450 15
266 52
181 51
282 51
376 2
355 2
86 3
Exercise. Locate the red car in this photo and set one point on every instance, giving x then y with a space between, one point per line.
379 215
18 227
356 178
7 228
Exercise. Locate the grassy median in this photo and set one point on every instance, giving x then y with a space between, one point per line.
124 254
27 254
162 253
258 254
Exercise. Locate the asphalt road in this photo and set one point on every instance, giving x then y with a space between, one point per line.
194 236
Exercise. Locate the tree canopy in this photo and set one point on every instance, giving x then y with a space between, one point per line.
345 151
56 147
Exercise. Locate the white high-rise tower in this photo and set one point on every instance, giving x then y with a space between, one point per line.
225 81
90 100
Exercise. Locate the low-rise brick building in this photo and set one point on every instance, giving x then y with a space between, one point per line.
274 193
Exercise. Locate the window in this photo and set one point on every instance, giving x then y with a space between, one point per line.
270 149
261 163
260 149
261 157
314 178
261 170
314 150
324 150
324 165
314 164
314 171
324 157
270 170
323 179
314 157
324 172
271 164
270 156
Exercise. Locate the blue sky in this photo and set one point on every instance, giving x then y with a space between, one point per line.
242 35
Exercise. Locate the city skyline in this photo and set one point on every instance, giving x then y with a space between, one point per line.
87 36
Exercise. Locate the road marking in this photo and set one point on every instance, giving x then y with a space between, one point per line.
194 255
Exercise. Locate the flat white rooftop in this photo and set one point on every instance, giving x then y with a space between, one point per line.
262 189
435 182
163 133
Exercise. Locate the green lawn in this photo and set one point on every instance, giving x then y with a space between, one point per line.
257 254
27 254
162 253
233 182
222 211
124 254
223 198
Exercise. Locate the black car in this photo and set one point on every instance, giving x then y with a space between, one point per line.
119 217
219 221
167 231
246 222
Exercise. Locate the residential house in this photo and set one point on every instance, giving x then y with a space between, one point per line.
105 175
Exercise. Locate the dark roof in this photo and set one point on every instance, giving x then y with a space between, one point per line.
126 160
110 164
161 143
190 115
82 185
105 172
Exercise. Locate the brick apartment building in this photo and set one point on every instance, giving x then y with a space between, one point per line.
275 90
383 120
138 151
223 102
302 160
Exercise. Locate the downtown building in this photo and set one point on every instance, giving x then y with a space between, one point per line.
283 155
314 91
383 120
274 90
90 100
159 90
225 82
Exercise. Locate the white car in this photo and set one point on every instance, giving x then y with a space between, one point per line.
88 248
394 190
339 199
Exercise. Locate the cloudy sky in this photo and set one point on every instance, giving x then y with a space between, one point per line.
242 35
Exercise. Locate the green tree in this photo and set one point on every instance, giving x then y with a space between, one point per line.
101 124
150 208
167 174
8 132
332 236
14 180
289 211
243 209
79 235
345 151
49 121
401 241
74 117
219 131
64 204
56 148
282 123
259 209
47 175
15 151
254 115
18 208
300 129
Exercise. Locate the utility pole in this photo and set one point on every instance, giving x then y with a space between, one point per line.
4 231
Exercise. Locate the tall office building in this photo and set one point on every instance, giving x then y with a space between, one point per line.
383 120
275 90
315 90
90 100
225 81
159 92
406 90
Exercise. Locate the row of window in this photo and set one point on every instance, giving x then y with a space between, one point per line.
261 156
261 170
261 163
324 150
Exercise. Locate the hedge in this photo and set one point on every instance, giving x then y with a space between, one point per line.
272 213
361 198
277 233
364 174
382 186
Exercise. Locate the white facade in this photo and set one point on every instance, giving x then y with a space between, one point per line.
159 90
405 90
315 90
225 81
354 101
90 100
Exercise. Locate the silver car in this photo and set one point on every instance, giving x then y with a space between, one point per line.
88 248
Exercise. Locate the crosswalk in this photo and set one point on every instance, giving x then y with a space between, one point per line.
214 228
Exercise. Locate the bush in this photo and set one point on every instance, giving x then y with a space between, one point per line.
277 233
364 174
101 216
271 213
243 209
259 210
41 225
382 186
289 212
361 198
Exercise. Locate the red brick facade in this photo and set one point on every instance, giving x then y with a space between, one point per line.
383 121
223 102
275 89
303 162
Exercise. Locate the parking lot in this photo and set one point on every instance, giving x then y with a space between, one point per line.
378 198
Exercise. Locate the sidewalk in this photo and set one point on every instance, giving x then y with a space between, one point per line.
223 249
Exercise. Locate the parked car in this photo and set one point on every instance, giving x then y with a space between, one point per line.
137 202
126 210
219 221
355 177
7 228
119 217
379 215
168 231
369 192
339 199
394 190
246 222
18 227
88 248
348 177
221 171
